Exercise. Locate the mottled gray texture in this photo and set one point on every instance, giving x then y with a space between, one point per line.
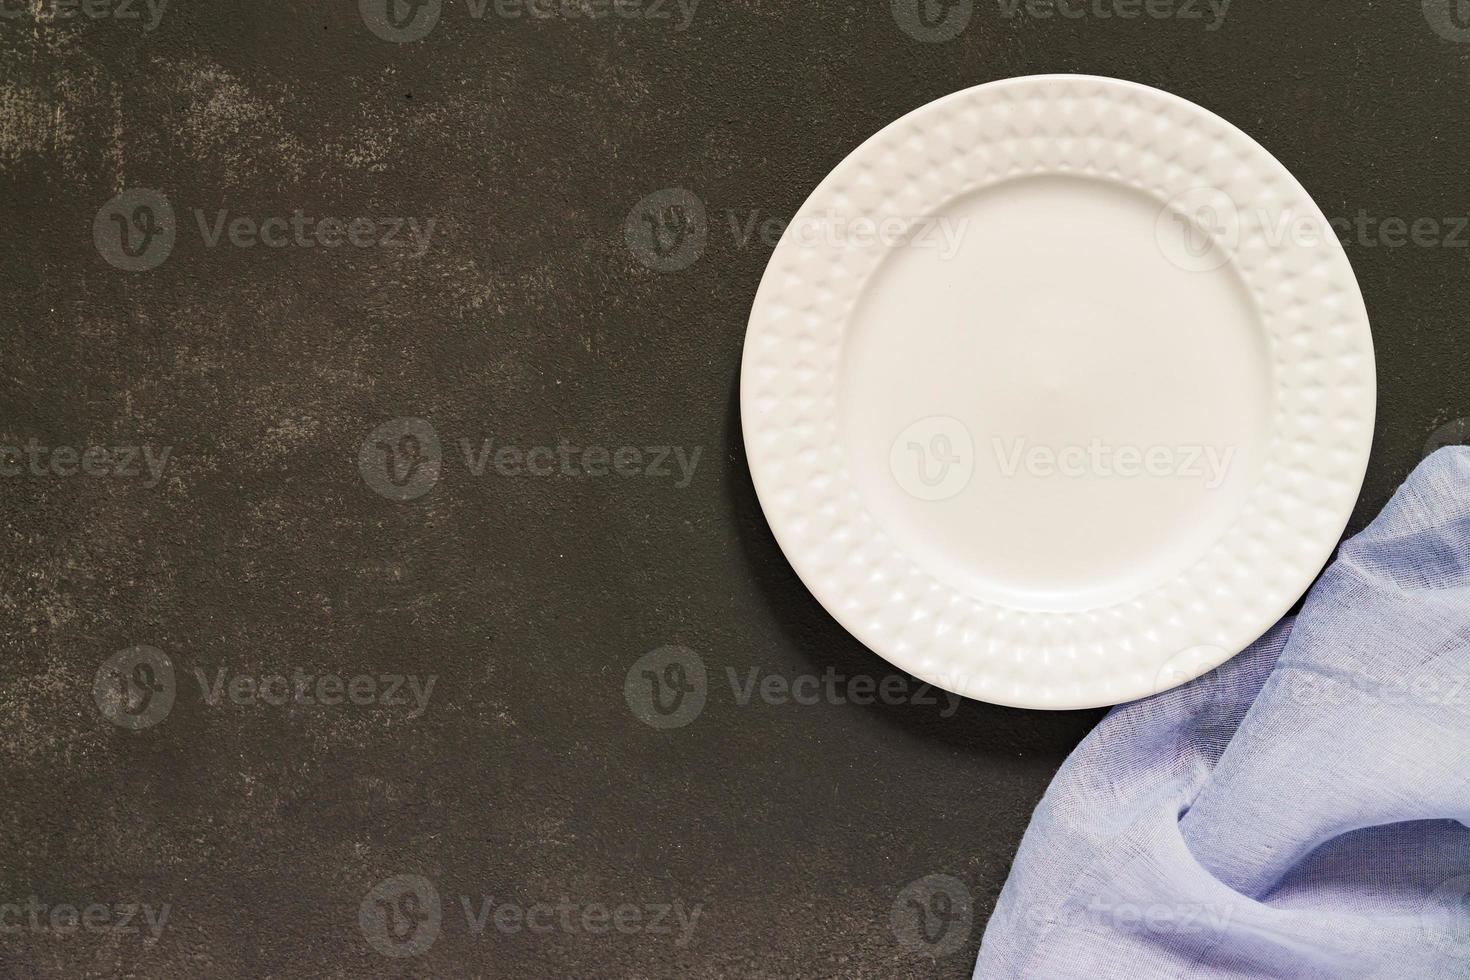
528 320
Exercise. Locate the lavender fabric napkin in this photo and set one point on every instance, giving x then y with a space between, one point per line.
1299 813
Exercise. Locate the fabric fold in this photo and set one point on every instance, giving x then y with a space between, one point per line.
1300 812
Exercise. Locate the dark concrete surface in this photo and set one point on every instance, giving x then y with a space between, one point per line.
789 837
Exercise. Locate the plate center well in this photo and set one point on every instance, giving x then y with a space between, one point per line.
1050 411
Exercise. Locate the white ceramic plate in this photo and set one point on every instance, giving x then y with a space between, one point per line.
1058 391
